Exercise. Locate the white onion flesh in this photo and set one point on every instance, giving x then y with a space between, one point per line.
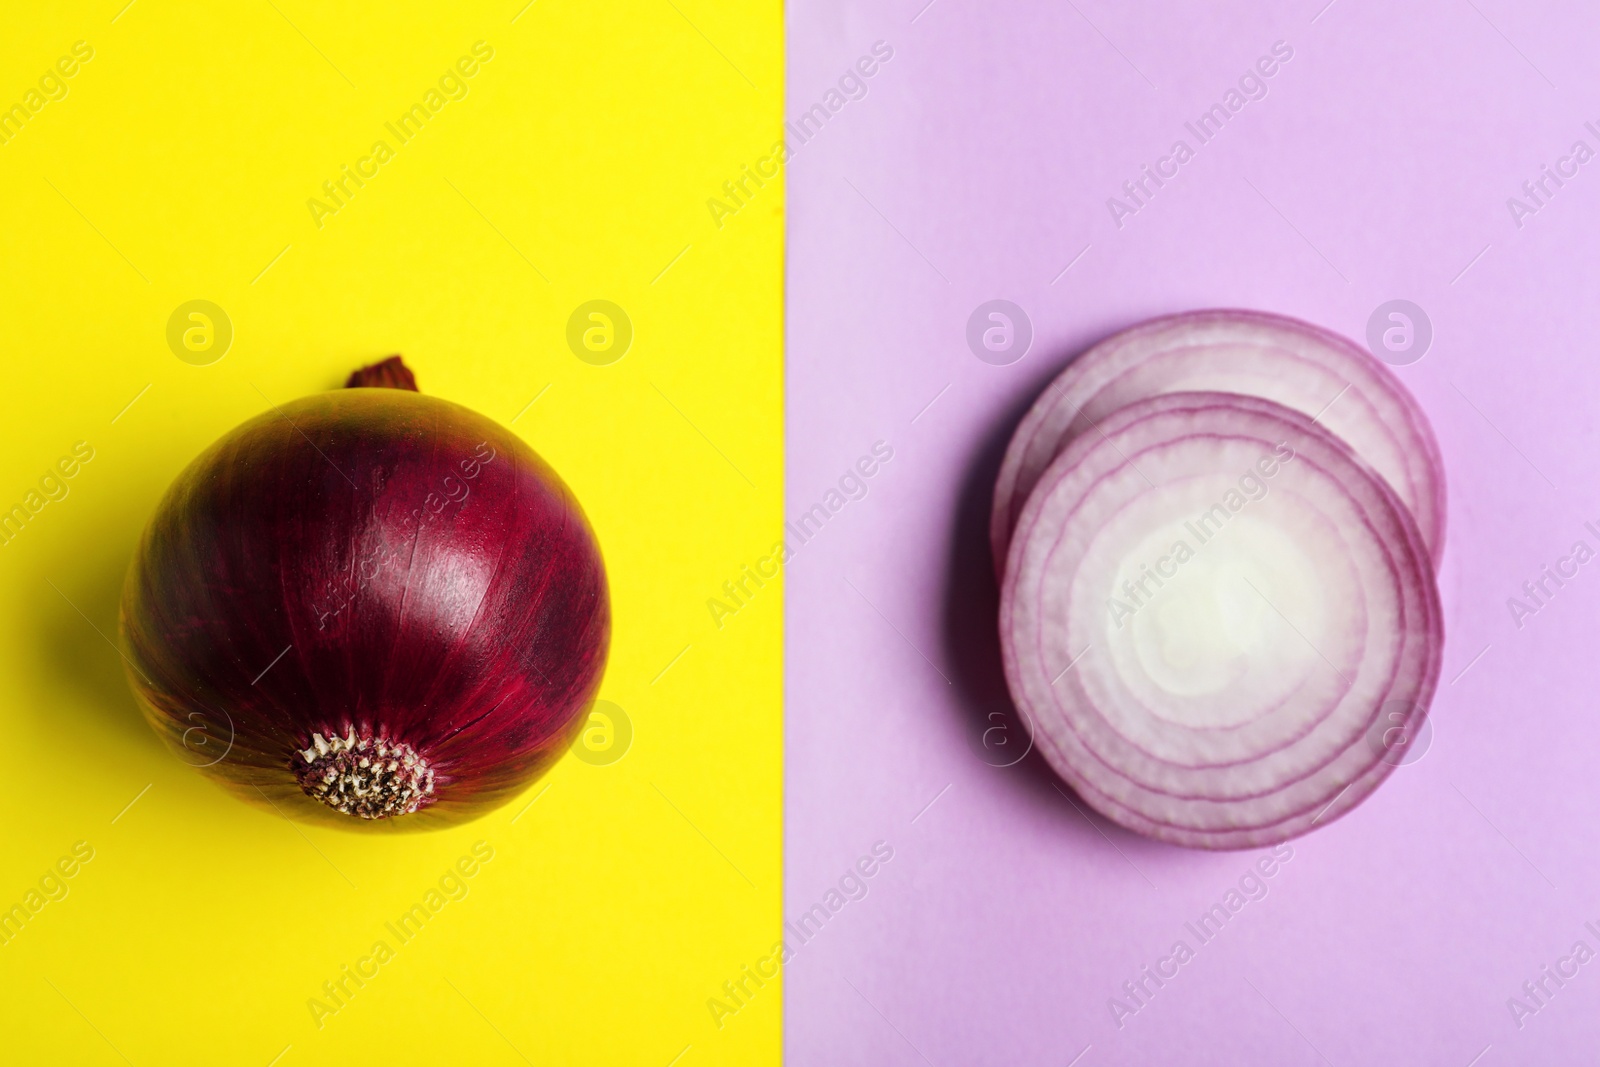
1301 366
1225 695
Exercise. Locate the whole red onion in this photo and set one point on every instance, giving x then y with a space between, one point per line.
368 607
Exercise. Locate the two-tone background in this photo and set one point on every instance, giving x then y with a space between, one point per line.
797 213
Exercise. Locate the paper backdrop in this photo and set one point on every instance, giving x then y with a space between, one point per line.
1337 156
454 183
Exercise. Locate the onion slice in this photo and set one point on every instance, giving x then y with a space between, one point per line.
1297 364
1207 607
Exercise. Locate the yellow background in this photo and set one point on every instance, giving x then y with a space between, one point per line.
178 167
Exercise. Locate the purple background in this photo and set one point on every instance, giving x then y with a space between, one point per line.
1377 167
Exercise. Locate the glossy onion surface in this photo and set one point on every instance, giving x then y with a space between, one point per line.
368 608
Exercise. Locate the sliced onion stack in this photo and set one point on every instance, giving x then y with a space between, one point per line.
1213 608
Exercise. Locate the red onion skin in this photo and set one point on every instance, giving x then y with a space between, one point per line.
433 581
391 373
